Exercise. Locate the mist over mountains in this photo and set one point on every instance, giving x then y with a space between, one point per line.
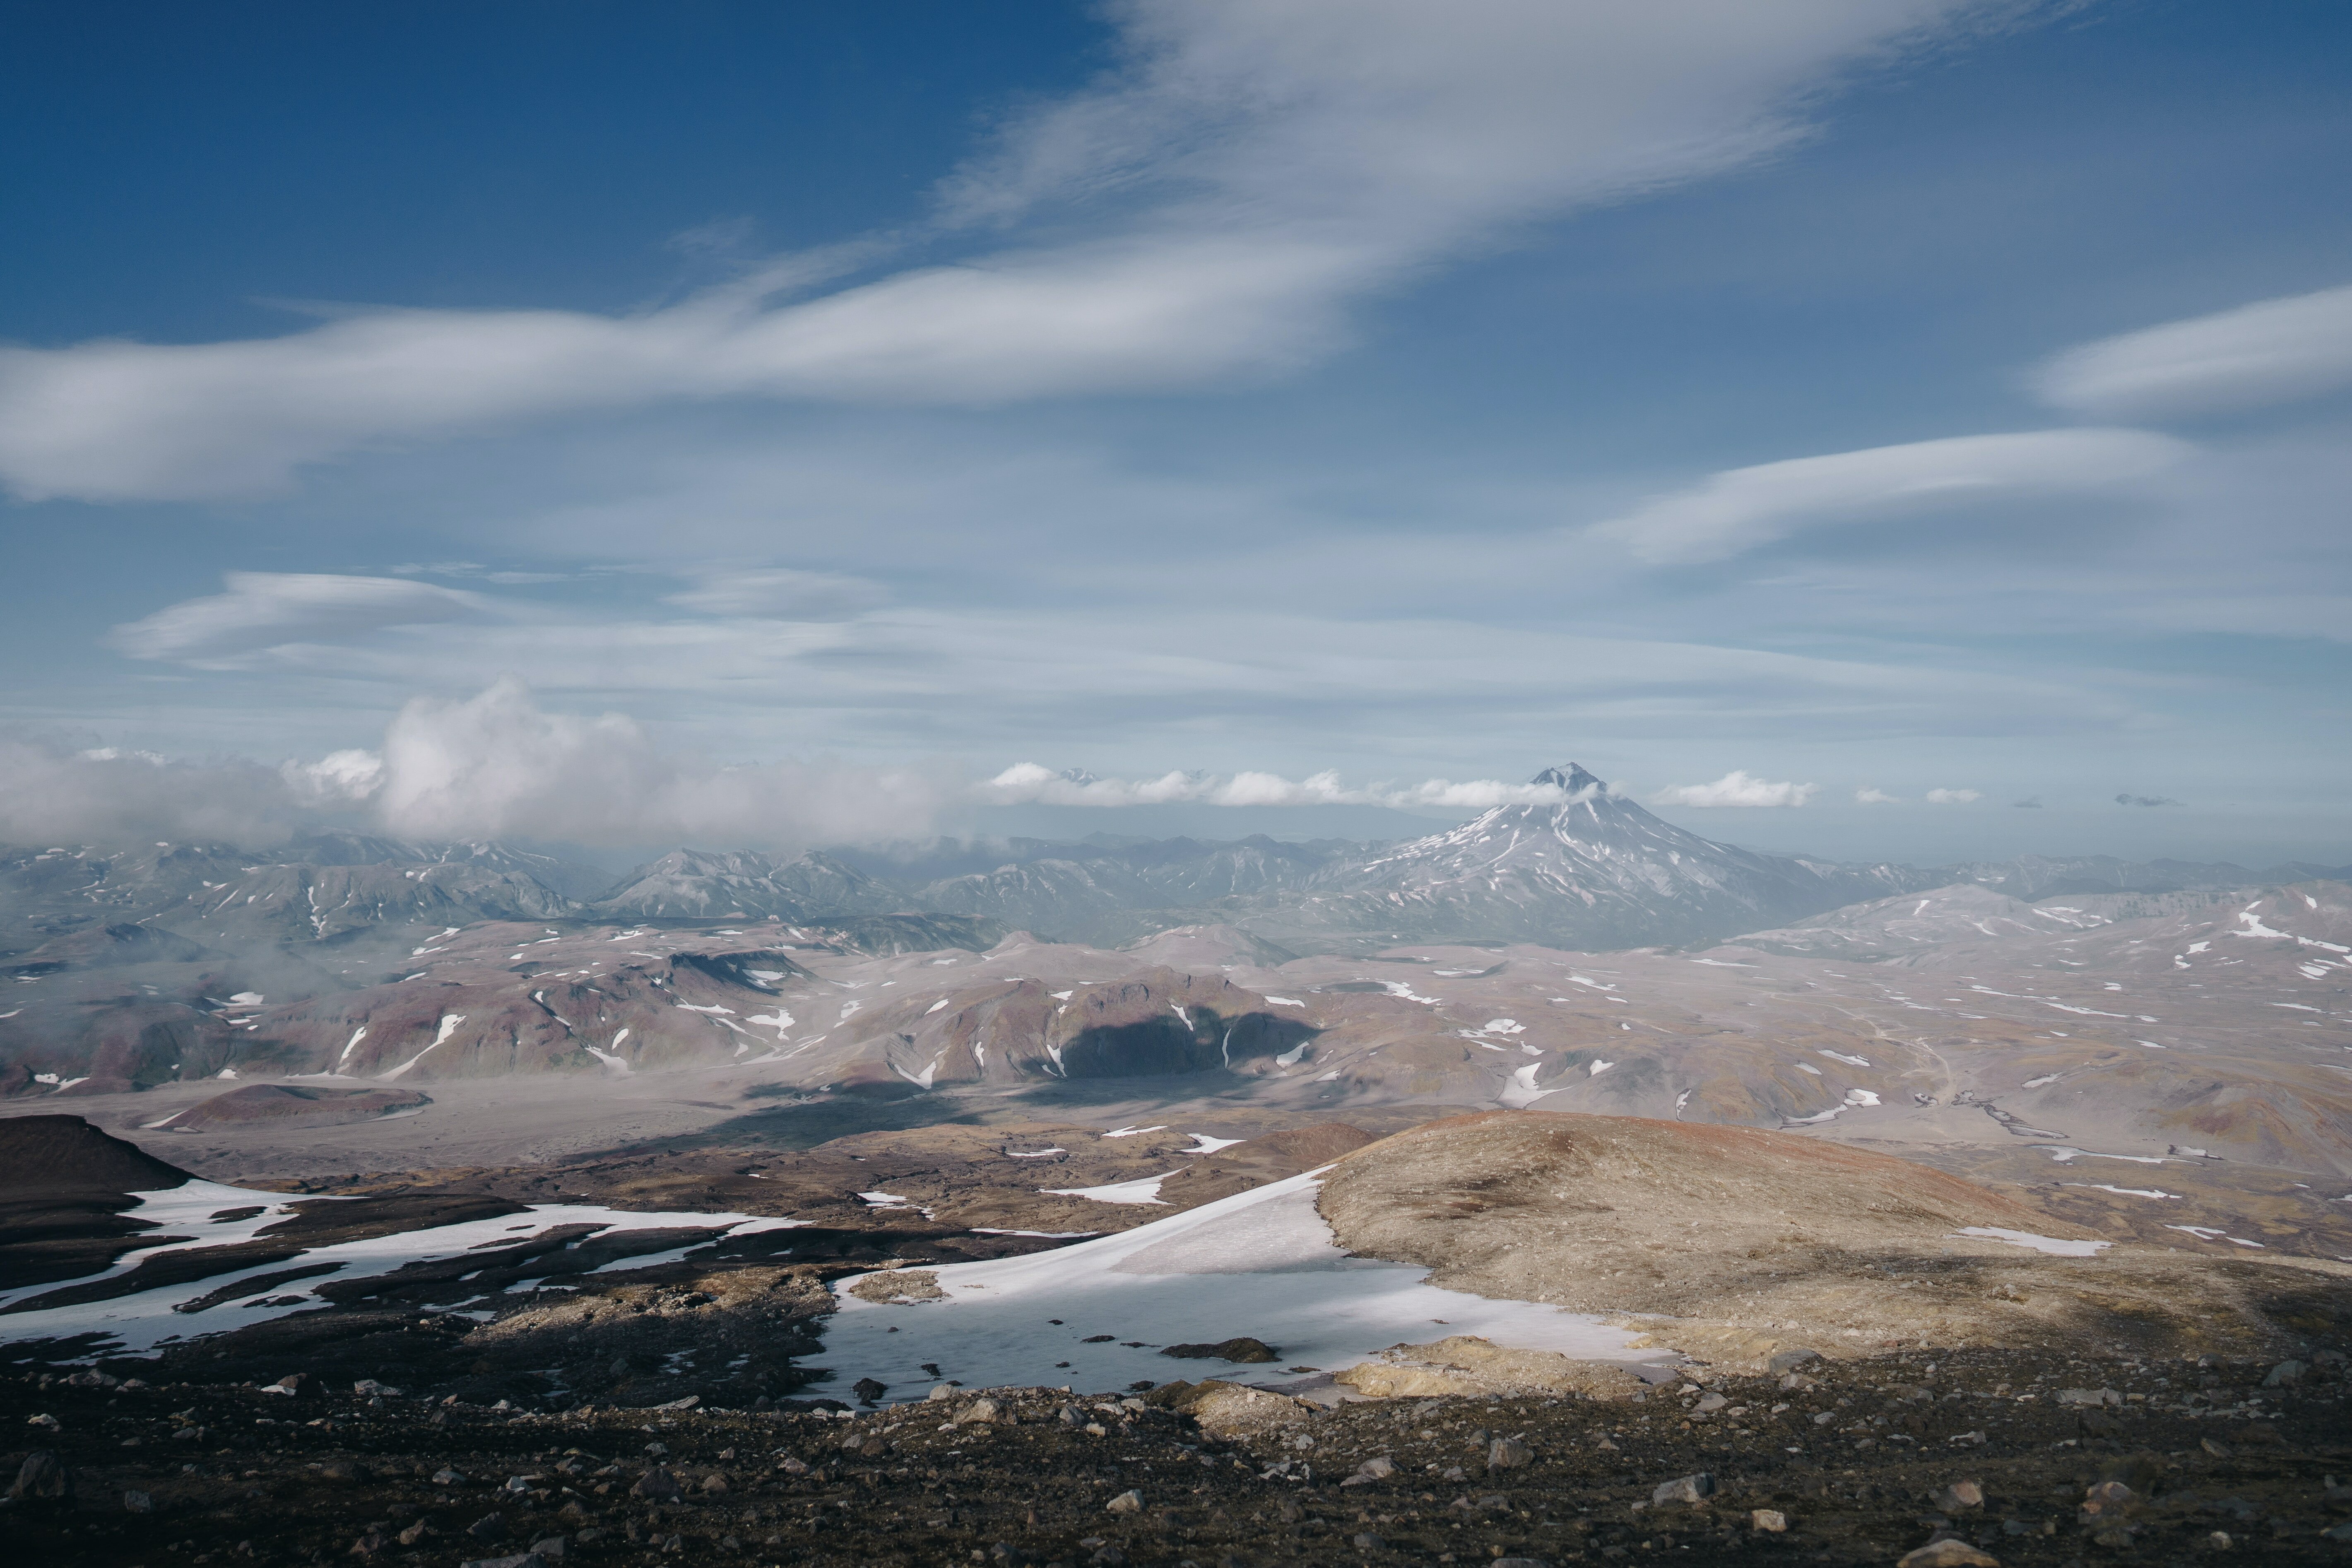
1596 873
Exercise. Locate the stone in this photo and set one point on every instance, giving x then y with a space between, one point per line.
1108 1557
984 1410
656 1485
938 1392
2283 1374
368 1545
714 1483
1770 1520
1508 1454
1684 1488
1378 1468
689 1403
448 1477
489 1527
869 1391
1241 1348
415 1532
1961 1495
1790 1358
1126 1503
42 1478
1709 1404
138 1502
1520 1563
550 1550
2089 1396
1949 1553
792 1465
350 1470
1367 1541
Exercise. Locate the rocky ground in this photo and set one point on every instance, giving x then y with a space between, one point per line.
2027 1459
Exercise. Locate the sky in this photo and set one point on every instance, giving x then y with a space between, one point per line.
1906 430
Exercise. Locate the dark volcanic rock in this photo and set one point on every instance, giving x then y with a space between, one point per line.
1241 1348
295 1105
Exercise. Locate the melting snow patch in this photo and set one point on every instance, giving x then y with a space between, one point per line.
935 1006
1521 1091
1290 1058
1131 1132
1597 1066
2206 1233
1142 1190
2123 1192
1841 1057
1808 1067
1286 1001
1031 1154
2043 1244
1204 1144
2044 1079
1401 989
1262 1261
885 1201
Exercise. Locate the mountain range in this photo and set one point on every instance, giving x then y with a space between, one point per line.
1594 872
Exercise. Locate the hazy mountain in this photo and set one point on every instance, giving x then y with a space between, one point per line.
687 884
1598 871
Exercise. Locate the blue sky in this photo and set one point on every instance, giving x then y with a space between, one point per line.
770 423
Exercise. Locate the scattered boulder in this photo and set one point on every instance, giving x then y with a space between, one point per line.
1508 1454
1684 1488
1790 1358
869 1391
1242 1348
1959 1496
489 1527
899 1285
43 1479
1770 1520
656 1485
1128 1501
1949 1553
2285 1374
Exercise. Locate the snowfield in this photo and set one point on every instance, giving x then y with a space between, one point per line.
1261 1263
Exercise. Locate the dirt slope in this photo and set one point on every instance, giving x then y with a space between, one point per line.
1731 1242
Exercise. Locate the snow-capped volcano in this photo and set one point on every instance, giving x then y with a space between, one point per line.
1593 871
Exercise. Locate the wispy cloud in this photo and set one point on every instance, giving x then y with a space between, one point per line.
1737 788
2127 798
1871 794
269 609
1030 782
2275 351
1742 509
1954 796
1210 211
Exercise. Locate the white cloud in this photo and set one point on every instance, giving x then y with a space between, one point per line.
269 609
1870 794
1737 788
1217 203
53 793
497 763
2275 351
778 592
1953 796
1741 508
1028 782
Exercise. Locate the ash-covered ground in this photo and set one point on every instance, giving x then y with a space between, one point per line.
2027 1458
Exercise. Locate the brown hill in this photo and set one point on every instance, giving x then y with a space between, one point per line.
1732 1242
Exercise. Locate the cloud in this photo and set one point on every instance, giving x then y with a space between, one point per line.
269 609
2276 351
779 592
52 793
2129 799
1870 794
2030 803
1737 788
497 763
1953 796
1030 782
1210 211
1741 508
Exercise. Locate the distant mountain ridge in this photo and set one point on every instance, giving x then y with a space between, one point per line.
1595 870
